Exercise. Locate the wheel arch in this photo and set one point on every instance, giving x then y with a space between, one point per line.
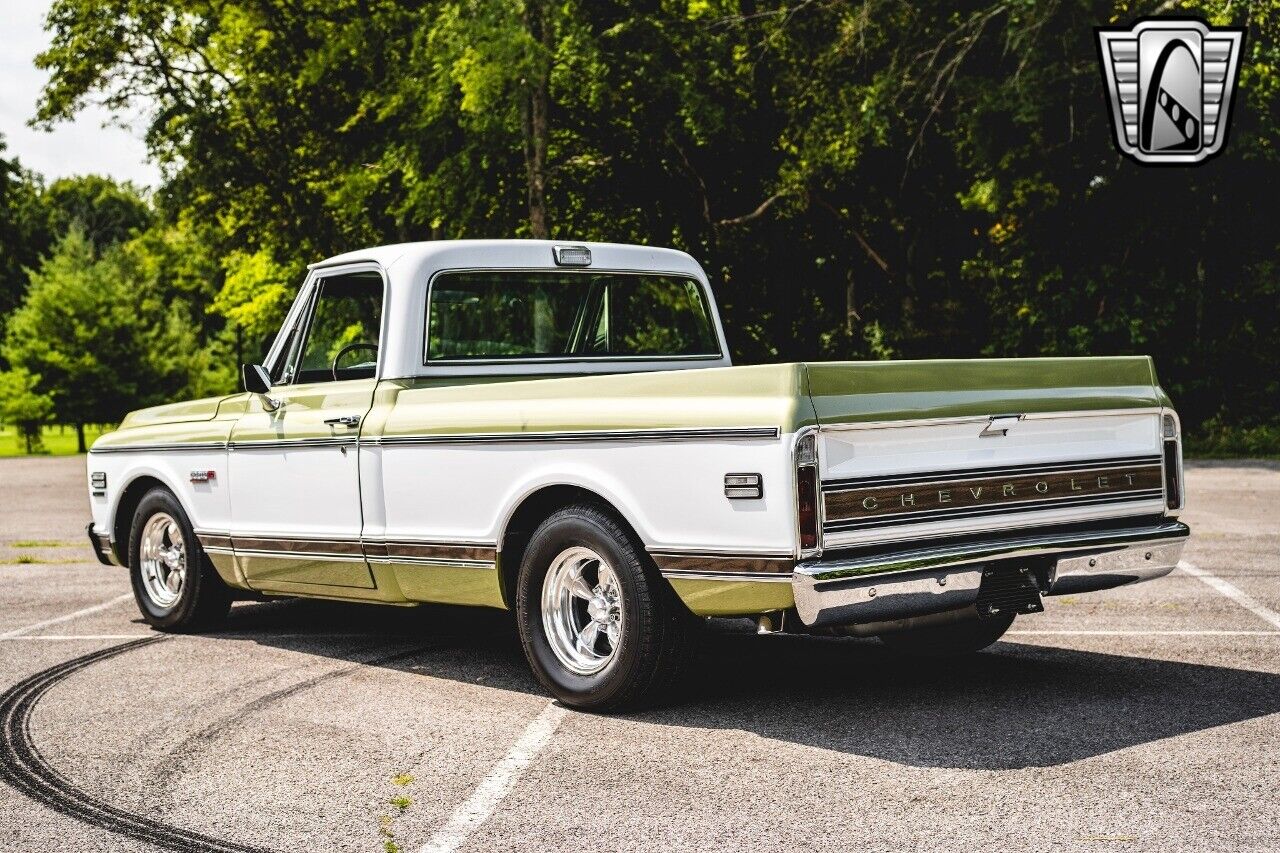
127 504
534 508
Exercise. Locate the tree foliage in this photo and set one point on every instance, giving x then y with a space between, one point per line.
23 405
104 211
24 231
96 337
862 178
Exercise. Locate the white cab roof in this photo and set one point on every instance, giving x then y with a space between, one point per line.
409 268
521 254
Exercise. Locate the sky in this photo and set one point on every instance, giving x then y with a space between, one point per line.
79 147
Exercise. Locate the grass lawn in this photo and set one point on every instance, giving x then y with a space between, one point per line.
58 440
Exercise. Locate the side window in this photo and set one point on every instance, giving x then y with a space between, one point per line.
340 338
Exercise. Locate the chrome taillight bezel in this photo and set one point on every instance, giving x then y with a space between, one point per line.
807 484
1175 490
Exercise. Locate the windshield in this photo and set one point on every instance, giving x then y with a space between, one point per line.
558 315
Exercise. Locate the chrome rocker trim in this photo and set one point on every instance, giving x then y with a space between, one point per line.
922 581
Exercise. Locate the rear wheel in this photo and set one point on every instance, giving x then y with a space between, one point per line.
951 639
600 627
176 587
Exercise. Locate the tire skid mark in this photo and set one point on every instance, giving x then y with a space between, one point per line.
24 768
198 740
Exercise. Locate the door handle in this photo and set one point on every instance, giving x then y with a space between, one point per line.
345 420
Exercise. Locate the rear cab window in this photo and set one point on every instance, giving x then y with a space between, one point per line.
556 315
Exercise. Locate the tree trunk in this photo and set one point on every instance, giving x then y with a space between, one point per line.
80 447
850 306
537 19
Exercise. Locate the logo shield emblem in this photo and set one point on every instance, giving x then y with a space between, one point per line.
1170 82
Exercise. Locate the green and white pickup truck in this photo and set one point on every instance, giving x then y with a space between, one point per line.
557 430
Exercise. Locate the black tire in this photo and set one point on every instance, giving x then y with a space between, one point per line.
658 634
203 600
952 639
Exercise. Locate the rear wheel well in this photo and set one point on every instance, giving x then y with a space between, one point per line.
128 505
531 512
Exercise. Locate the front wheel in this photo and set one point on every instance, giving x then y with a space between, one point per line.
175 586
600 627
951 639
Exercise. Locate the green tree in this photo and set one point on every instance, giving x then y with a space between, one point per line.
22 405
98 344
24 231
862 178
104 210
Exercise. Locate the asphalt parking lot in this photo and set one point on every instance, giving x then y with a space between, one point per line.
1145 718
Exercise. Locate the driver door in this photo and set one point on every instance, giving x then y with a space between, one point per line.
295 480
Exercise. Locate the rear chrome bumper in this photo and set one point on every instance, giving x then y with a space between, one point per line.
101 544
936 579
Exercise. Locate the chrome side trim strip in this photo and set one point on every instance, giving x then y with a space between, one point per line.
434 561
210 539
726 564
273 444
298 545
977 419
720 553
713 434
731 577
351 549
726 434
300 555
162 446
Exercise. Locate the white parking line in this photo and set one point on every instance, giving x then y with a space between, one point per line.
58 620
1232 592
485 798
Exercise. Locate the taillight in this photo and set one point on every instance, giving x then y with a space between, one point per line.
1172 485
807 491
807 506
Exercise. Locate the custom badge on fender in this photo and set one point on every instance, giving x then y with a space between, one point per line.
1170 82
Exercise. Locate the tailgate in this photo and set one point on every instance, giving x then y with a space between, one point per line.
908 450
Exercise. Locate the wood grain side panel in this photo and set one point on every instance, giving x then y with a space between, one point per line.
737 564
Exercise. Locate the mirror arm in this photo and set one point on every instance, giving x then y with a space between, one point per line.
257 381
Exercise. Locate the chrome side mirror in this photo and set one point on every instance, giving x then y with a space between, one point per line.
257 381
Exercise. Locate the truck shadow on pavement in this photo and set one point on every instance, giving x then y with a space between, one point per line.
1014 706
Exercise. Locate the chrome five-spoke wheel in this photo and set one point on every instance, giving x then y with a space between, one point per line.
600 626
176 586
582 610
162 553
